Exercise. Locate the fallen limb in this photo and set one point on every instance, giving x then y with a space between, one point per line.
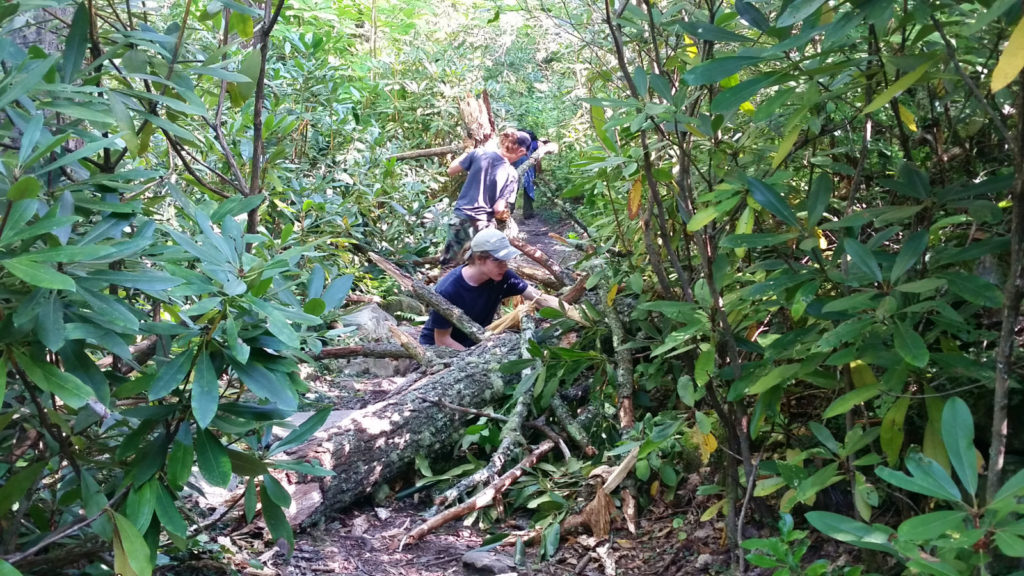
426 153
623 364
142 352
535 275
428 297
481 500
576 292
372 350
571 426
538 424
511 433
408 344
563 276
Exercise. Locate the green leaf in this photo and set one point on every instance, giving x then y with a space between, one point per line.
65 386
38 274
50 322
847 401
1010 544
245 464
278 525
75 43
928 527
205 390
26 188
552 537
131 553
168 513
875 537
819 197
119 106
825 437
798 11
958 435
892 434
214 462
910 345
731 99
752 15
278 493
863 258
897 87
250 499
921 286
756 240
774 377
273 386
772 201
718 69
140 504
5 568
820 480
22 81
303 432
171 375
708 31
241 24
786 144
1011 489
31 133
973 289
597 117
912 250
179 463
150 280
928 478
16 486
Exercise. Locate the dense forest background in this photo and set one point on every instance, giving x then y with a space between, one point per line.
804 219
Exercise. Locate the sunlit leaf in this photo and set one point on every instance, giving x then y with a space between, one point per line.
633 202
1011 61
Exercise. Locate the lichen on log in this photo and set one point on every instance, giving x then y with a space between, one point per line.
376 444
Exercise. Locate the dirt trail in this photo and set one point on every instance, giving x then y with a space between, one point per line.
365 539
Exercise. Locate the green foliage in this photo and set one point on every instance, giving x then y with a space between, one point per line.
784 553
943 542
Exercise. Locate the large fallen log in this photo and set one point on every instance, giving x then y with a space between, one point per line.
376 444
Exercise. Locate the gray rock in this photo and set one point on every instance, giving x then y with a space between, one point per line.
489 563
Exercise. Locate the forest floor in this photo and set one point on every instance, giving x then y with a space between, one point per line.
365 540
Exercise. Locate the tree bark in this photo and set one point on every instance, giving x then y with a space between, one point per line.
376 444
426 153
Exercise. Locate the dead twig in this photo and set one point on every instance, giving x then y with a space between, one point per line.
485 498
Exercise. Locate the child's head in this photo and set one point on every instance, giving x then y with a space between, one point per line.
514 144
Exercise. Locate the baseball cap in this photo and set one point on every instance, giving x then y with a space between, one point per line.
494 242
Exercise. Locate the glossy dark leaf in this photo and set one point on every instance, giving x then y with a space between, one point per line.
772 201
302 432
205 390
214 462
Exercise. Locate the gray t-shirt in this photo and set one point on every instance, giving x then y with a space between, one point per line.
488 177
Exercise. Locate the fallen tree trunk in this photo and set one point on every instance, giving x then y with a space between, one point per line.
376 444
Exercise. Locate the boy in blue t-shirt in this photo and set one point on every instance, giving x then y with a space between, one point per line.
478 288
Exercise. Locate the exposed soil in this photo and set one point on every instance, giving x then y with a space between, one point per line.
366 539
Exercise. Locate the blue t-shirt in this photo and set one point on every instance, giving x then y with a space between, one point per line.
488 177
478 302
